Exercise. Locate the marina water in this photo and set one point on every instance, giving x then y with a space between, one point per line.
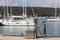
52 28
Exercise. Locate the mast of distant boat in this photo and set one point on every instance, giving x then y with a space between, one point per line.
24 8
55 8
7 10
4 11
11 11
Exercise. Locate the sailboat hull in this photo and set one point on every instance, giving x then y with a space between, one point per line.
19 20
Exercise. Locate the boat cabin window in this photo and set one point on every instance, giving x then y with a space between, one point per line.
17 18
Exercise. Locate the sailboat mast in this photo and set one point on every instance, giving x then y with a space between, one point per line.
7 9
23 7
55 8
11 10
4 10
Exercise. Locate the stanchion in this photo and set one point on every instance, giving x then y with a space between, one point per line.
35 28
44 22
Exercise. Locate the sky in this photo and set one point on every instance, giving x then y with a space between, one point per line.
33 3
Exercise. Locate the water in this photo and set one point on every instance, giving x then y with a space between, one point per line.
14 30
52 28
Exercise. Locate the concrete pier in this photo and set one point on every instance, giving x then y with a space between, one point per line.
29 34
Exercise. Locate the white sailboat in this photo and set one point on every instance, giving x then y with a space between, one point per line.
1 17
54 18
19 20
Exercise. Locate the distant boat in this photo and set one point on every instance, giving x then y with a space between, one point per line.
18 20
0 19
54 19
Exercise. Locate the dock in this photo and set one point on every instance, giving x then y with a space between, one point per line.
23 38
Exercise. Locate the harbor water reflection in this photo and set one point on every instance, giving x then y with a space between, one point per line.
52 28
